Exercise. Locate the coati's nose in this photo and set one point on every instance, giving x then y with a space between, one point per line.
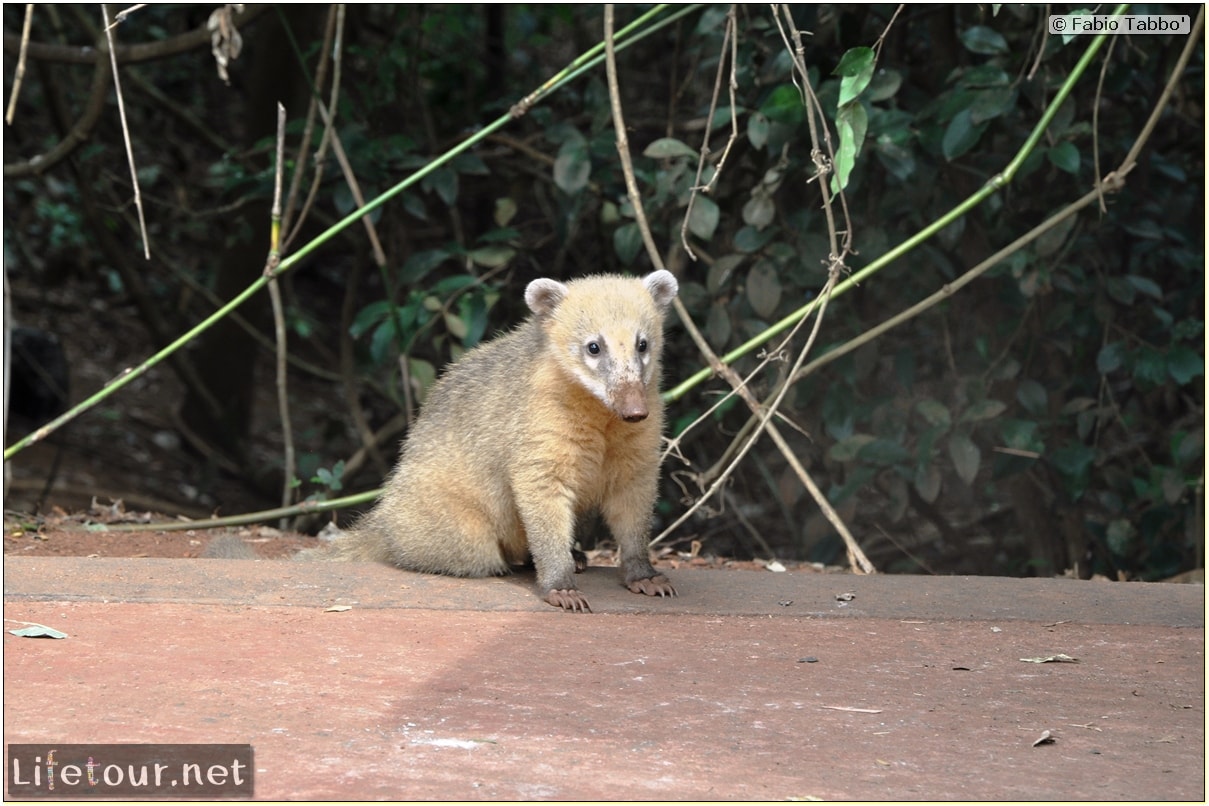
630 403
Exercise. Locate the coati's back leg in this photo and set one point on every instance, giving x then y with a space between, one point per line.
441 534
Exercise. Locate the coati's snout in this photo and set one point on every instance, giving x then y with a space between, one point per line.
632 405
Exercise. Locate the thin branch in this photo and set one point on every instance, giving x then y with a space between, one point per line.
877 46
134 174
40 163
121 16
12 99
128 54
730 35
283 397
308 131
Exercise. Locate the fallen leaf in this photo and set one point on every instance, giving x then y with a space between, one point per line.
853 710
845 597
39 631
1059 658
1045 738
338 608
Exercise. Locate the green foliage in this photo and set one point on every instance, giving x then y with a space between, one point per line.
330 481
1068 378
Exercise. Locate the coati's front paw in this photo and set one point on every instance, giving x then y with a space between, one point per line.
658 585
568 599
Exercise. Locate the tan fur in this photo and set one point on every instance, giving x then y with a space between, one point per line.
526 433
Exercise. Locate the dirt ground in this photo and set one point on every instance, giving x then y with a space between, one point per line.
99 533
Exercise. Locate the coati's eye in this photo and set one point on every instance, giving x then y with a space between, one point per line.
593 348
642 345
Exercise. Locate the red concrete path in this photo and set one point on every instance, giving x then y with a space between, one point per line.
474 689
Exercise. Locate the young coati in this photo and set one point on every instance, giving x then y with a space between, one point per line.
559 417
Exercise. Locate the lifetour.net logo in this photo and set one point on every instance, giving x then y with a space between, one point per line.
129 770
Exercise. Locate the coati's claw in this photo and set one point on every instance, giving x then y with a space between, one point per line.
658 585
568 599
581 560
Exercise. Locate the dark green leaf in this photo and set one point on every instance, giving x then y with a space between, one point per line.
856 69
857 478
934 412
838 411
505 210
627 241
884 85
1110 358
984 41
380 343
492 257
763 289
927 482
1184 364
451 285
757 130
854 62
572 167
961 135
423 376
894 158
1032 396
1055 237
668 147
420 264
703 219
471 164
784 105
966 457
1021 435
1187 447
717 325
413 203
1119 535
1065 157
1073 459
991 103
760 210
1150 367
984 75
852 123
1144 284
846 450
369 316
1074 462
720 272
444 182
473 311
750 239
983 410
1121 290
884 452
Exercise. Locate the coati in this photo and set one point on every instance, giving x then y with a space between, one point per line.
559 417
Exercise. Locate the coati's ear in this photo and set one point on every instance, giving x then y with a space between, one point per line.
662 286
543 295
